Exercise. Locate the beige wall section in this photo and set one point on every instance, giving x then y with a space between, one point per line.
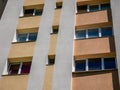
92 47
48 78
52 47
92 19
81 2
28 22
105 80
14 82
57 17
20 50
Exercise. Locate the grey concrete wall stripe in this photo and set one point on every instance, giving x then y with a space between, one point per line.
115 5
36 77
64 51
8 24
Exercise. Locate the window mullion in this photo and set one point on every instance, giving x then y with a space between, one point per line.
20 68
87 65
27 39
88 8
100 32
87 33
102 62
99 6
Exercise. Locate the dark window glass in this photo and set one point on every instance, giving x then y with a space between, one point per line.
32 36
51 61
29 12
109 63
92 33
105 6
107 31
94 8
58 7
81 34
94 64
80 65
21 37
14 68
55 31
82 9
38 12
26 68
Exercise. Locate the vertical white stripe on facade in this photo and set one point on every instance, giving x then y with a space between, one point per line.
8 24
64 51
115 5
36 77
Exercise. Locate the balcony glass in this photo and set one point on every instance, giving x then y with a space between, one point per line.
94 64
80 65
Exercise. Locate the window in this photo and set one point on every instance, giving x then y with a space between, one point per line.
38 12
26 67
32 36
19 68
29 12
94 64
93 8
81 34
14 68
26 37
109 63
51 61
105 6
107 31
21 37
82 9
54 30
58 5
80 65
92 33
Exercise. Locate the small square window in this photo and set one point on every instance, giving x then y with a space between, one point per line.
109 63
80 65
80 34
21 37
94 64
26 67
51 61
82 9
92 33
13 68
105 6
32 36
94 8
107 31
38 12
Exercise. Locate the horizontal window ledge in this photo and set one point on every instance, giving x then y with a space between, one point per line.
93 71
16 75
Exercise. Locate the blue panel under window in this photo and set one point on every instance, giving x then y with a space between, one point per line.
105 6
80 65
94 8
81 34
21 37
32 36
94 64
92 33
107 31
109 63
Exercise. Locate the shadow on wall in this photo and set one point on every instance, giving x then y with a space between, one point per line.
2 6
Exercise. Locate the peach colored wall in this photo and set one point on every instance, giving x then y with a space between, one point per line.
48 78
20 50
93 46
92 18
53 43
104 80
57 17
14 82
28 22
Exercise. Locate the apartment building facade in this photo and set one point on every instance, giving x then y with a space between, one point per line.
59 45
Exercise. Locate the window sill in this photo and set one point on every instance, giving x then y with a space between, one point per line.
23 42
15 74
